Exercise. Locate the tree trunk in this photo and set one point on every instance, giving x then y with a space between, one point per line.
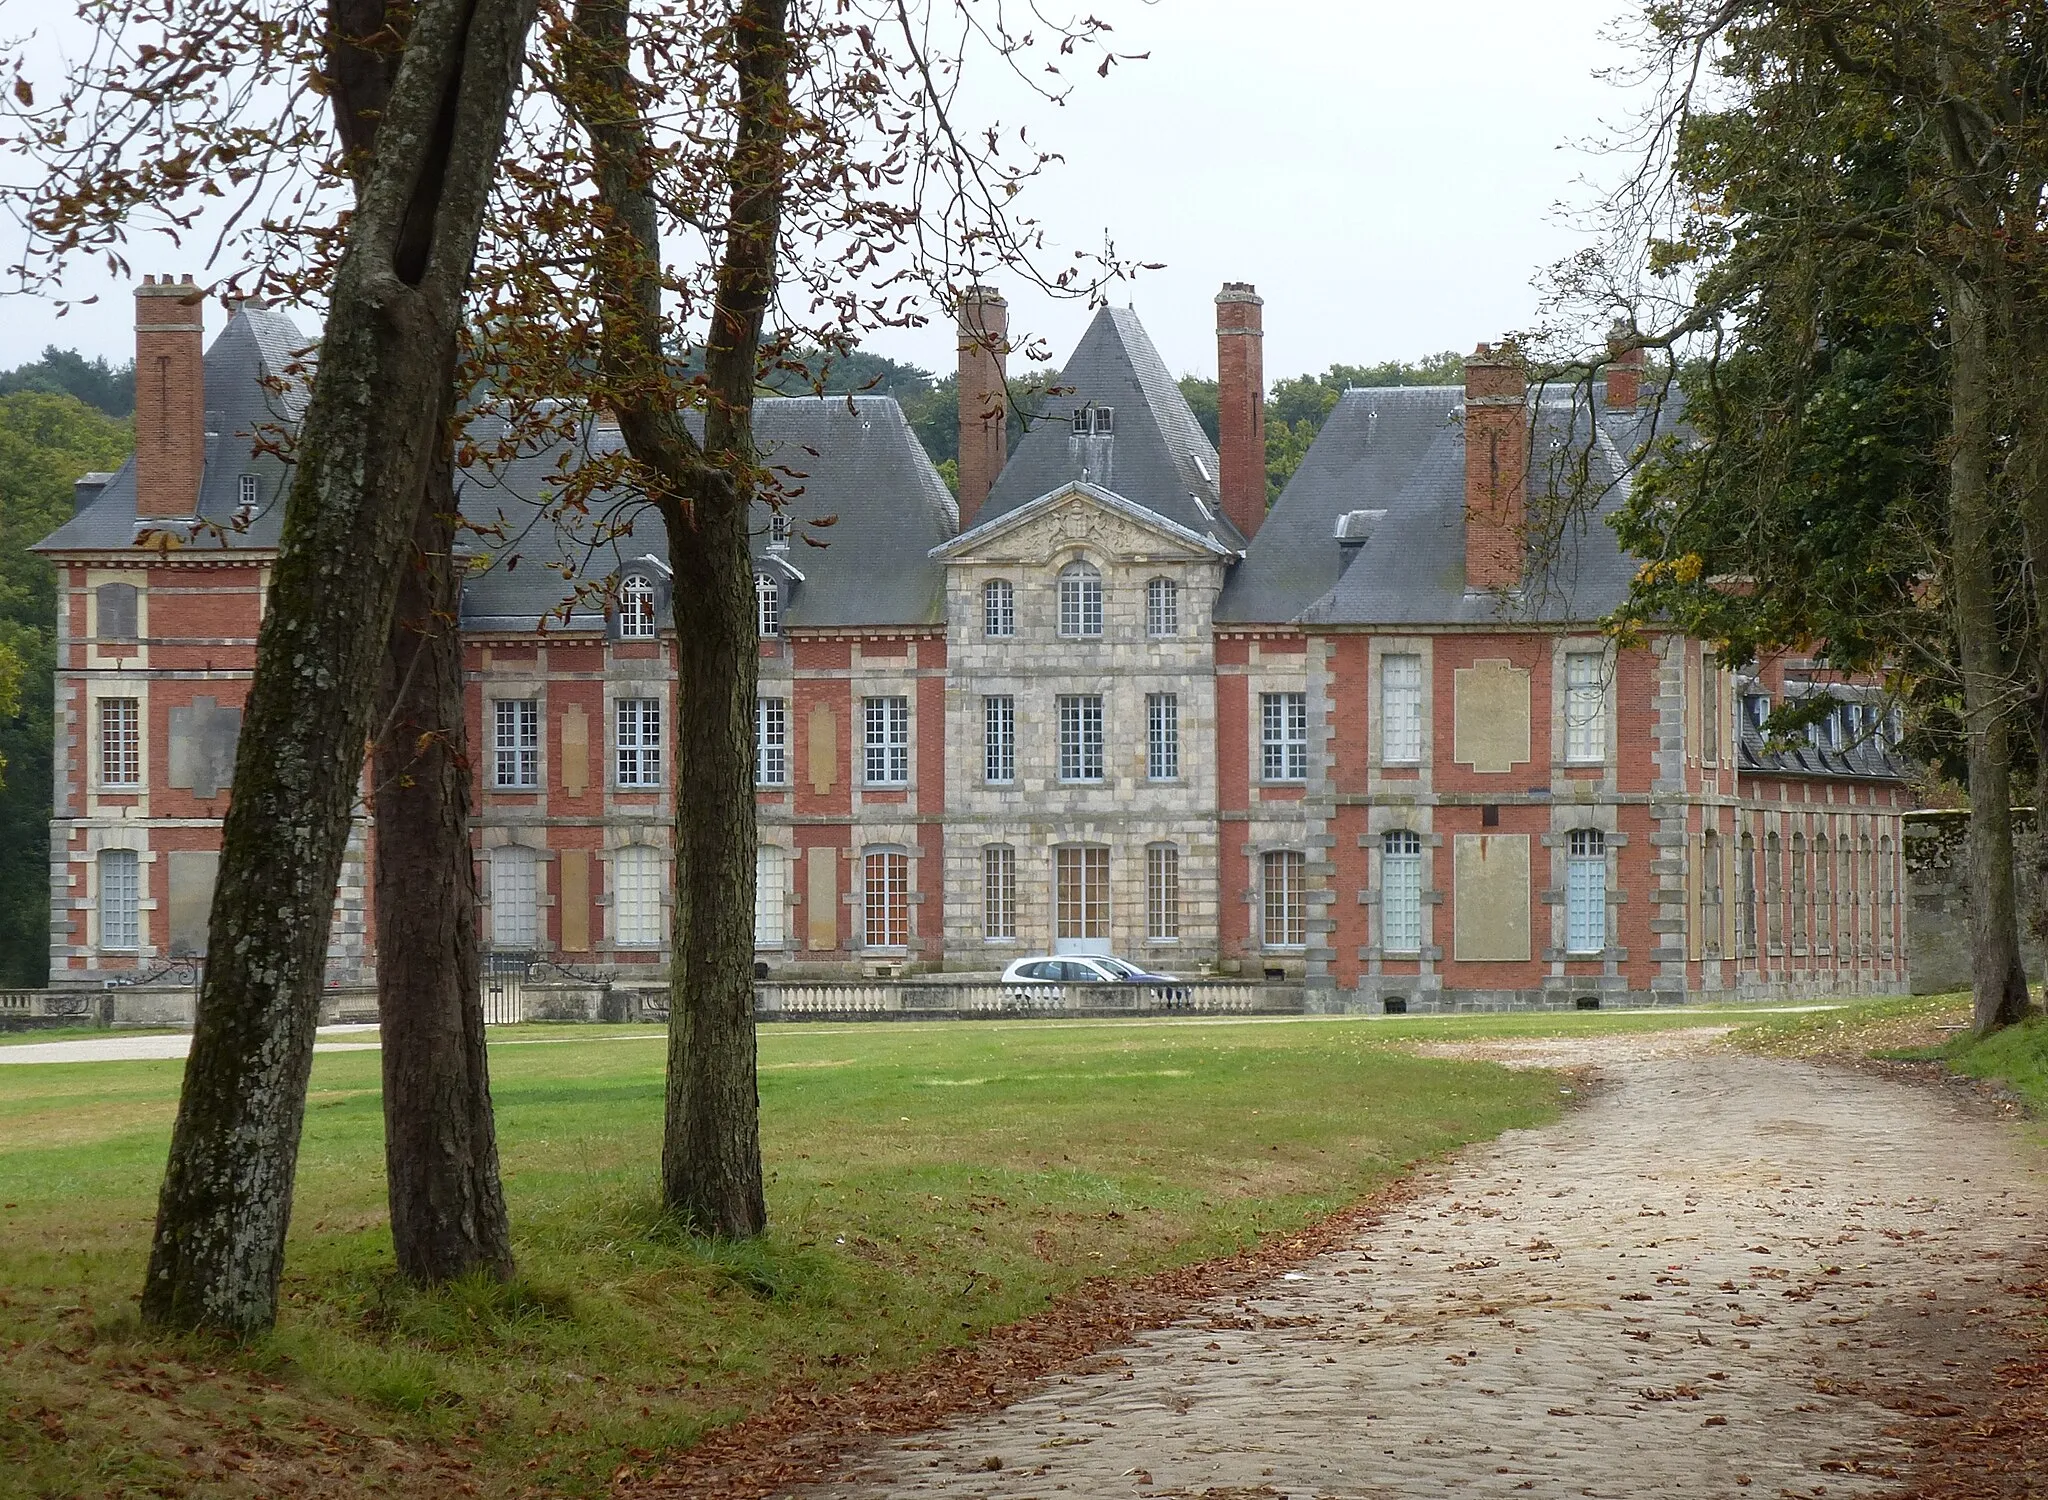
365 447
711 1145
440 1141
1998 978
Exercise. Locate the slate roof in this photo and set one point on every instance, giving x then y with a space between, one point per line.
1401 450
855 458
1867 756
258 344
1158 457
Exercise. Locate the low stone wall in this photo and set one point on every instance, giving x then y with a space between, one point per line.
1938 896
939 998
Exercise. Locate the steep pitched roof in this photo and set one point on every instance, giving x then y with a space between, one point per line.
259 348
1401 450
967 541
1158 456
853 458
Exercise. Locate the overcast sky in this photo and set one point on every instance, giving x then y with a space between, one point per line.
1387 174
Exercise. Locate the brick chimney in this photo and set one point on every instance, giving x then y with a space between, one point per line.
1624 368
1241 405
170 396
1496 467
984 398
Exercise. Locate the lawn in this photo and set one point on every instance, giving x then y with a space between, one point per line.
927 1182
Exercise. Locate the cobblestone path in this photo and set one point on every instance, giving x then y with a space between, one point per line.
1717 1278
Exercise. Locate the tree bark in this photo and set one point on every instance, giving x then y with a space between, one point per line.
440 1141
366 444
447 1204
1998 978
711 1145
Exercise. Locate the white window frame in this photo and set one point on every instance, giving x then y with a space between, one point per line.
515 898
636 608
771 897
1162 736
999 739
998 609
885 761
515 744
885 899
636 740
120 737
636 896
1401 709
1080 601
1585 708
1162 893
1283 737
120 900
1401 891
1081 738
1585 892
998 893
767 607
1283 901
771 742
1162 608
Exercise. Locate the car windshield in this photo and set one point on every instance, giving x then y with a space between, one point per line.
1118 968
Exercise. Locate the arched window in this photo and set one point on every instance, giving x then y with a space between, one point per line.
636 608
1710 895
1162 607
636 897
1745 899
1866 945
1799 929
1162 893
1401 891
1886 876
1845 896
1823 896
515 897
767 606
999 893
998 608
1080 600
1286 898
1774 892
1585 891
886 898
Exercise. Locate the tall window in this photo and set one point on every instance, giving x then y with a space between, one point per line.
1400 710
1401 891
1845 894
1868 875
1286 899
1710 709
1081 737
515 743
999 739
1162 607
1823 897
117 612
1799 929
999 893
998 608
120 899
639 736
771 895
515 897
636 897
887 760
636 608
771 741
1080 600
767 606
1162 894
1585 707
1283 736
1081 893
245 492
1745 899
1162 736
887 904
120 742
1774 893
1585 891
1710 895
1886 880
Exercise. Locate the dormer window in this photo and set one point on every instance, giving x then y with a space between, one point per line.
636 608
1098 420
1105 421
778 531
245 496
1080 601
767 606
1758 707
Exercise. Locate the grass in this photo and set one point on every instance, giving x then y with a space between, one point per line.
928 1182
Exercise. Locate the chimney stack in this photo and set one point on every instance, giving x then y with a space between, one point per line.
984 396
1496 467
1624 368
170 397
1241 405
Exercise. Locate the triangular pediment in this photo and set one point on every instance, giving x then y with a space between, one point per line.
1083 515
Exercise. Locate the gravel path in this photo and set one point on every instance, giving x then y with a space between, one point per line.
161 1045
1721 1276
